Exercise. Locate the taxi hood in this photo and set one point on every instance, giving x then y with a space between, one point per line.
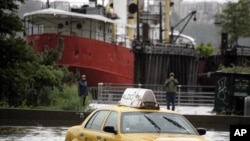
164 137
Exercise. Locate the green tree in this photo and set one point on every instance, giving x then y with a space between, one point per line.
205 50
235 20
13 69
10 22
24 73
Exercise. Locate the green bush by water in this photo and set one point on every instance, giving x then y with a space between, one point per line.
69 100
66 99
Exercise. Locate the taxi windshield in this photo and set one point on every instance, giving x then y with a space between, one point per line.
148 122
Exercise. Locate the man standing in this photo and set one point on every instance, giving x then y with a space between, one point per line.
171 87
83 89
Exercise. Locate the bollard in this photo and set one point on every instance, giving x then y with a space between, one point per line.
179 95
247 106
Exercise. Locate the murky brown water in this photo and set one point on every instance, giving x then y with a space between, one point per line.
34 133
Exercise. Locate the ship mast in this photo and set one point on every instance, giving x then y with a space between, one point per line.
47 4
132 17
138 22
167 20
162 16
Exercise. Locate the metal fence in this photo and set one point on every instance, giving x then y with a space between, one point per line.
108 93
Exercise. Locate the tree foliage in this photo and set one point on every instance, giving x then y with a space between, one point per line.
235 69
26 77
205 50
10 22
235 20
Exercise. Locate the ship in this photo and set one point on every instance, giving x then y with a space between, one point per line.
91 44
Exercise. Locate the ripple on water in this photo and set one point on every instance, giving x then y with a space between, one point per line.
39 133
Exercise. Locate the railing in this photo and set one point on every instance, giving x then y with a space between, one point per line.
108 93
83 32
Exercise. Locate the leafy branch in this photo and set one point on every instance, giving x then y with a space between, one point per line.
205 50
234 69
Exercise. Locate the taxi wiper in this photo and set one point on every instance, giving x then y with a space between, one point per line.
175 123
158 129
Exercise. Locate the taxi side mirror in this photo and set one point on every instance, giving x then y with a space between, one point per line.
201 131
110 129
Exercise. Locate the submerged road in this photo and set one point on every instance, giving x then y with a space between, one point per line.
36 133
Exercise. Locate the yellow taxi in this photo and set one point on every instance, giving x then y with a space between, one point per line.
136 117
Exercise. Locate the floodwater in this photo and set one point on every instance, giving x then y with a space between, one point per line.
36 133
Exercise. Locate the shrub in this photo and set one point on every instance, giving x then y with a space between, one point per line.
205 50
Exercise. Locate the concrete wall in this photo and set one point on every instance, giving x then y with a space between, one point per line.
217 122
19 117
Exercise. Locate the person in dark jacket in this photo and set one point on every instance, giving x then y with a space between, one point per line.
83 89
171 88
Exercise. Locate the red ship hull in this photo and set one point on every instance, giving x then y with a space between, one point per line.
100 61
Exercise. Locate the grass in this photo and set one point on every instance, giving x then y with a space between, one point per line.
69 100
66 100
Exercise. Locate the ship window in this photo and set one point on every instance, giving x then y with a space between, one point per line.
66 23
60 26
76 52
100 27
78 26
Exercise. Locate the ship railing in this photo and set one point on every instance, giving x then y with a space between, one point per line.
31 29
110 93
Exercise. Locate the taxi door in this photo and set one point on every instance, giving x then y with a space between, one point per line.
92 131
112 123
99 136
90 135
108 137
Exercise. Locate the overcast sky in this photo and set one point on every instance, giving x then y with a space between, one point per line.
80 2
100 1
222 1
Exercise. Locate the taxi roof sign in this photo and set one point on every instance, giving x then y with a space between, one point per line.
139 98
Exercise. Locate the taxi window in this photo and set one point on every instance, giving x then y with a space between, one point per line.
112 120
137 122
95 122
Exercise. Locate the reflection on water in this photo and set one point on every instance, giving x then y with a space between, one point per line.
34 133
30 133
217 136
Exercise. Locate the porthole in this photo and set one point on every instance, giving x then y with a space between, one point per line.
60 26
79 26
76 52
